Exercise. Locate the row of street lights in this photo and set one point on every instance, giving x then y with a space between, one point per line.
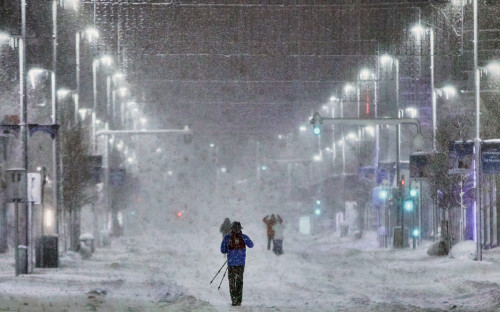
446 92
90 34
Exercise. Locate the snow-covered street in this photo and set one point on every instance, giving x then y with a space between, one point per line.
317 273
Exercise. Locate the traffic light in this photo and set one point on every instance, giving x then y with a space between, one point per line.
414 190
317 208
402 182
408 205
383 194
316 121
415 232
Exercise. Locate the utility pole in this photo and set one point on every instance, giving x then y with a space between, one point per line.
21 241
477 140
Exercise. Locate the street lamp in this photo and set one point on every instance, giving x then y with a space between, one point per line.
105 60
91 34
446 91
335 99
412 112
492 68
389 60
420 30
74 4
63 93
22 265
364 75
113 80
34 73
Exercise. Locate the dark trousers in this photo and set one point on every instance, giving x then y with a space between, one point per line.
278 246
235 277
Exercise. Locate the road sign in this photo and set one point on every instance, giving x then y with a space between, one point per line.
117 176
420 165
490 153
386 172
35 188
460 156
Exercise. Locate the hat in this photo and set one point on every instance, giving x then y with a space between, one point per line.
236 226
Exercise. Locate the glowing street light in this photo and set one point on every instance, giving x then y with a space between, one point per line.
91 34
106 60
412 112
4 37
63 93
73 4
389 60
447 91
492 68
366 74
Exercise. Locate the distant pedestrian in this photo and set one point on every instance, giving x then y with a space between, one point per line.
269 221
225 227
278 236
234 245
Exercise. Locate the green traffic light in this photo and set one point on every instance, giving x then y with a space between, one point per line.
408 205
413 192
382 194
316 121
416 233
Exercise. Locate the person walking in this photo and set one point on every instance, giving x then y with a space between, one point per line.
225 227
278 237
269 221
234 245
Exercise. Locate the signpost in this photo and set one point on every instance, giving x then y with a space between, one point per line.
16 193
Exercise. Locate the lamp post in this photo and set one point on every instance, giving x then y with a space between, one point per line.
477 139
90 33
419 29
105 60
120 94
21 264
333 99
341 132
33 73
494 67
348 88
22 268
116 79
387 59
63 93
366 74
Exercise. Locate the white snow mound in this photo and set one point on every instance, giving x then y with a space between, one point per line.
465 250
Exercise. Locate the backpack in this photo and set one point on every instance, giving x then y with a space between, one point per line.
236 241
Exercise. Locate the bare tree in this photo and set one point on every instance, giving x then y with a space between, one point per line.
76 177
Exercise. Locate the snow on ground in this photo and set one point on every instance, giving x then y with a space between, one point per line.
171 270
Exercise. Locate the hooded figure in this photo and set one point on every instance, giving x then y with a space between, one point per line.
234 244
225 227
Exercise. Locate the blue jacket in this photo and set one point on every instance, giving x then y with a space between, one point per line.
235 257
